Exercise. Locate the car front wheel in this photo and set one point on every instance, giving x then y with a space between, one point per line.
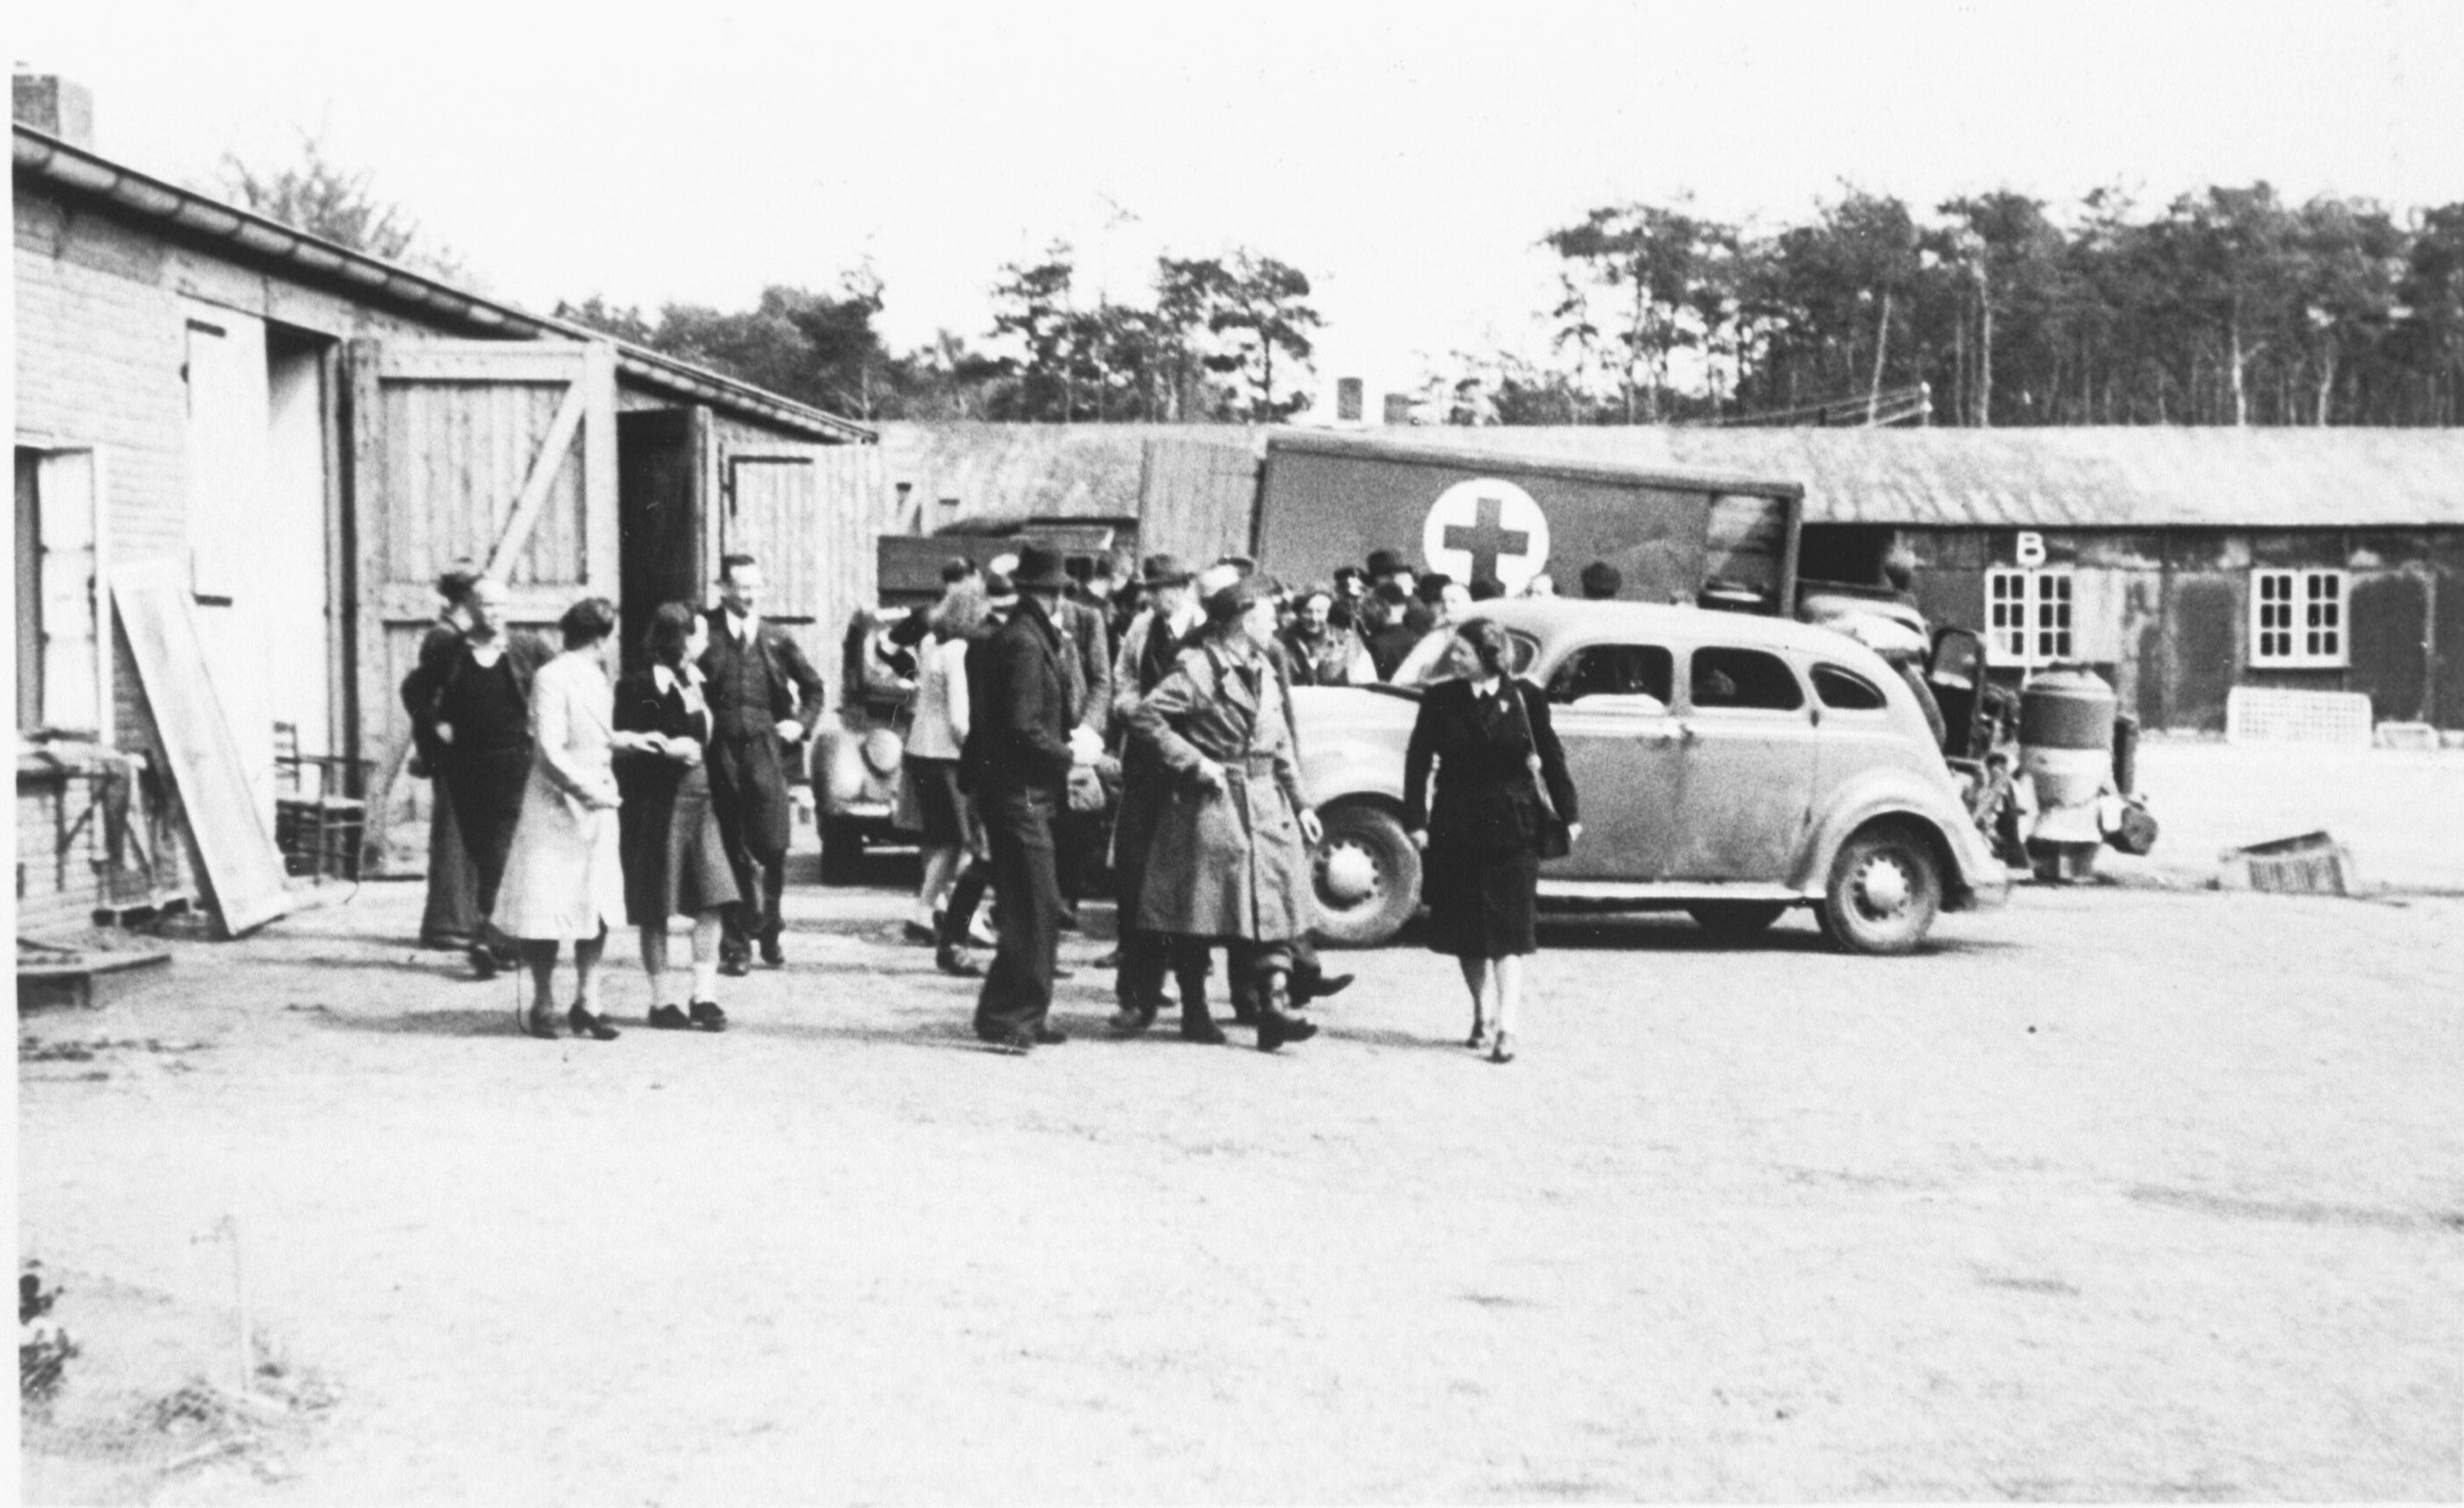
1367 877
1885 887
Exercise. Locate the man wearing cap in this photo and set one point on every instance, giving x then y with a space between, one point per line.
1229 858
1017 760
1148 652
763 697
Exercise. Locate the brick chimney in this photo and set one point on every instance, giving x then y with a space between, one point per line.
55 106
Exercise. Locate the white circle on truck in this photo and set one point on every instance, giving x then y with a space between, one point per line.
1486 526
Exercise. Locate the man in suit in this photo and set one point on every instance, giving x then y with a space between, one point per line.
1022 711
764 695
1086 636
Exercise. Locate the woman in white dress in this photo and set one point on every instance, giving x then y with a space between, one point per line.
565 879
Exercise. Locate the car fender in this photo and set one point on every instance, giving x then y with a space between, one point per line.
1886 793
1352 767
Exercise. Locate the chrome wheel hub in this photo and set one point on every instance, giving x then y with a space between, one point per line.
1882 887
1347 874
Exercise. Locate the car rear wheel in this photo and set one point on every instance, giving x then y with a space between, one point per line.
1736 921
1367 877
842 850
1885 887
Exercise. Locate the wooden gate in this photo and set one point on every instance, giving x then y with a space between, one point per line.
497 452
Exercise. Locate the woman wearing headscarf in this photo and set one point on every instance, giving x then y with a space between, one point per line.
1489 736
1229 858
666 833
565 879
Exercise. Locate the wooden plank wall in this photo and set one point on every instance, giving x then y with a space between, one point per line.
1198 498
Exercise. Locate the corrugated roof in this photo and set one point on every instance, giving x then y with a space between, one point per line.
2105 478
316 260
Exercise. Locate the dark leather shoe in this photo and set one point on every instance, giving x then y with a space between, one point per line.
918 932
1275 1029
949 960
1202 1029
1319 988
539 1021
1131 1019
1050 1037
707 1016
585 1024
735 965
773 956
483 964
668 1018
1010 1044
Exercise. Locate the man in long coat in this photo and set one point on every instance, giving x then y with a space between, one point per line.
1229 859
1021 711
763 696
1149 648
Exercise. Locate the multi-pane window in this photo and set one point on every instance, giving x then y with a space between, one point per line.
2297 618
2028 615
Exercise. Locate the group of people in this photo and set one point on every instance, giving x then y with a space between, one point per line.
579 805
575 805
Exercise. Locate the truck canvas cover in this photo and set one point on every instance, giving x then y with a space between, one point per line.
1674 537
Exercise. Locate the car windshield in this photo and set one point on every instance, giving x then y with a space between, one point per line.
1426 664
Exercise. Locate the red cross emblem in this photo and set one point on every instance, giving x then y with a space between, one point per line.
1486 527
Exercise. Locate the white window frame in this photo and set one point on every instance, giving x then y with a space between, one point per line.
2031 615
2300 619
72 484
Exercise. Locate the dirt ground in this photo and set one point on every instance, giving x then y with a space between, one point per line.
2120 1192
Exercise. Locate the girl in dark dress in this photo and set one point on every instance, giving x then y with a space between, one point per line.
1490 739
666 831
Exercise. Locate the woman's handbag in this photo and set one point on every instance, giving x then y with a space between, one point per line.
1554 838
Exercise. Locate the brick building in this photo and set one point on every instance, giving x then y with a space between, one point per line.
298 438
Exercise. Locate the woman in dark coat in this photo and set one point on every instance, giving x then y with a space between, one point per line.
468 699
666 831
1491 741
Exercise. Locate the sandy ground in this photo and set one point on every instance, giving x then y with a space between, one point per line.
2119 1192
2401 812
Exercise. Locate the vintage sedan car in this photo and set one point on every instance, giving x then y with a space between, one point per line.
1728 765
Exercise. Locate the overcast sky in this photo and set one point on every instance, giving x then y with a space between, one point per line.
1405 157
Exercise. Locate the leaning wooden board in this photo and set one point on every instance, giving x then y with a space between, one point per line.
243 868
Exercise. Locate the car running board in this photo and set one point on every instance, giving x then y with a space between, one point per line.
1668 893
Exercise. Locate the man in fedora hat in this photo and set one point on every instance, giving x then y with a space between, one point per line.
1016 762
1149 650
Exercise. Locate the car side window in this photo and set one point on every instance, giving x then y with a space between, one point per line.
1844 690
1615 671
1745 678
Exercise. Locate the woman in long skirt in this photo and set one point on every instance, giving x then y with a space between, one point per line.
1490 738
666 833
565 879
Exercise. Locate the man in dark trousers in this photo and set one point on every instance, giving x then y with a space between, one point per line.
1016 762
764 695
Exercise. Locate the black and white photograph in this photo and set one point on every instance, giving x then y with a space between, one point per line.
1290 754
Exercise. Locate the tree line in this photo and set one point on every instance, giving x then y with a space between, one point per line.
2225 306
1223 340
2228 306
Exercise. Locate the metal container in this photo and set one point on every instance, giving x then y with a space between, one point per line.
2067 709
2066 748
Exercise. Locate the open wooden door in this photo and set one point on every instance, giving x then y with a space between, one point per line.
498 452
